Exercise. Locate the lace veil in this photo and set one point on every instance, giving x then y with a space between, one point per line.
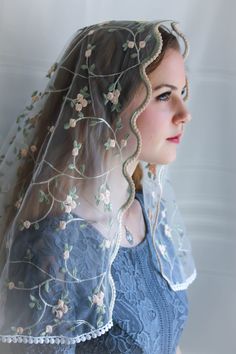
65 186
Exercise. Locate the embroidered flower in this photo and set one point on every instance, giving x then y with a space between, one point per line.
59 314
75 152
19 330
18 203
33 148
123 143
60 309
111 143
72 123
51 129
91 32
66 254
162 248
78 107
49 329
88 53
27 224
98 298
35 97
69 204
151 170
142 44
113 96
11 285
130 44
62 225
84 103
168 231
163 213
107 244
51 70
24 152
105 197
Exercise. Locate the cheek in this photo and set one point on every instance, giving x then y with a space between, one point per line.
151 123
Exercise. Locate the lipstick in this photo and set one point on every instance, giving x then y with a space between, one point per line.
175 139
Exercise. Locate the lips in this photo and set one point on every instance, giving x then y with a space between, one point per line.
175 139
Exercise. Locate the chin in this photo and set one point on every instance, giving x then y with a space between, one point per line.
166 160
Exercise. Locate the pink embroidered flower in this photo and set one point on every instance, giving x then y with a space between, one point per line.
142 44
66 254
51 129
130 44
98 298
168 231
49 329
35 98
60 309
78 107
19 330
11 285
69 199
123 143
88 53
18 203
84 102
75 152
69 204
107 243
112 143
110 96
23 152
113 96
72 123
59 314
79 97
162 249
27 224
33 148
62 225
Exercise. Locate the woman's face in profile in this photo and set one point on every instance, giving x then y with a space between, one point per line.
166 112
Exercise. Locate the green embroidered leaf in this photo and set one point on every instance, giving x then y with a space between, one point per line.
92 67
36 226
34 93
47 286
118 123
32 305
134 55
82 168
66 126
84 67
33 298
71 166
112 87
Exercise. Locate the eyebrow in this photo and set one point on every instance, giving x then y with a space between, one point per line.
166 85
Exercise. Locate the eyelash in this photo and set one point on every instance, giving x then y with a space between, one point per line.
166 95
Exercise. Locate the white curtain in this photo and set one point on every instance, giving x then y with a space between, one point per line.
33 33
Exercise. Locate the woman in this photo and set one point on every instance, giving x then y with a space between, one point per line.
95 257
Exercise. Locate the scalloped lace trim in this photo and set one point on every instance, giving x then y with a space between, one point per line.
183 286
56 339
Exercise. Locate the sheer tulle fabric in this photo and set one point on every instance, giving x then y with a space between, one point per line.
64 172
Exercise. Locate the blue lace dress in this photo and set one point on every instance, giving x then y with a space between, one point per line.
148 317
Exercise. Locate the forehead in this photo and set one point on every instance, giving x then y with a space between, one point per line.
171 70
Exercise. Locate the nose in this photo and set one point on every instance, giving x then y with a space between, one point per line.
182 114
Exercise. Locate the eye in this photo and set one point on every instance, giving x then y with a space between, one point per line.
184 92
164 96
